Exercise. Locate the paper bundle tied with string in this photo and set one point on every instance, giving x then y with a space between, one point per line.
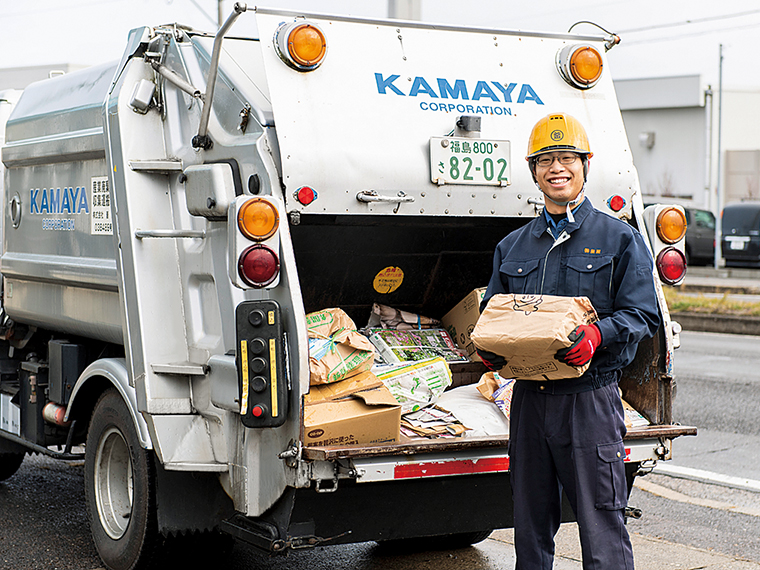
386 317
336 350
528 330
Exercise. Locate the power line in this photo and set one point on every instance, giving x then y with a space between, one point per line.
688 22
203 11
674 37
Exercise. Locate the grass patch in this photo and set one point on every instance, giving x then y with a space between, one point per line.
681 303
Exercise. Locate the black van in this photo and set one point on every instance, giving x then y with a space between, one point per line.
740 241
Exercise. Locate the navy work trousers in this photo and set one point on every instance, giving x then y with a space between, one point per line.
572 442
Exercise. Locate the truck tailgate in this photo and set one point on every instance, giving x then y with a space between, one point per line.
423 446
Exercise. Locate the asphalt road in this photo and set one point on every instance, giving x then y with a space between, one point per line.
686 524
718 390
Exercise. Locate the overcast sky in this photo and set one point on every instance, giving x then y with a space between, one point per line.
659 37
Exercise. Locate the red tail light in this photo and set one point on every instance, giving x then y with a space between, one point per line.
254 241
671 265
258 266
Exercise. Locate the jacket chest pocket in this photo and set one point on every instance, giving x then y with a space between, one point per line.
521 276
591 277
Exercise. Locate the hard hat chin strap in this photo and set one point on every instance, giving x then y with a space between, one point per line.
569 205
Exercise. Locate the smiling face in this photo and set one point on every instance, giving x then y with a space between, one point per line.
561 180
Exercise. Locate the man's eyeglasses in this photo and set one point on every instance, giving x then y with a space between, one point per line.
564 159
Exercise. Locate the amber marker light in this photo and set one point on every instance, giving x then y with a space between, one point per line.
302 45
586 65
580 65
671 225
306 44
258 219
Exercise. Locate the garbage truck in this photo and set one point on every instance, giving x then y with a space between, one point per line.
169 221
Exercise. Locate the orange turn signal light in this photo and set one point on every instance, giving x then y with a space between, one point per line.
580 65
302 45
258 219
306 43
671 225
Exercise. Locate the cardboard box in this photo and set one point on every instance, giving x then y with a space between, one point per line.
528 330
409 346
367 417
460 321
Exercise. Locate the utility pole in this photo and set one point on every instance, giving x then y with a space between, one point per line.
219 13
719 185
404 9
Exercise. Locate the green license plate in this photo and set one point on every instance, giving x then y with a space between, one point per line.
455 160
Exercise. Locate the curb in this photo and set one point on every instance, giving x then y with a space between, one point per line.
725 289
731 324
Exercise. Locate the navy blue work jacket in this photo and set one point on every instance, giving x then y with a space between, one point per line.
596 256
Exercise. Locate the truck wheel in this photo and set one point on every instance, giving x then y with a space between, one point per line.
468 538
9 464
441 542
120 488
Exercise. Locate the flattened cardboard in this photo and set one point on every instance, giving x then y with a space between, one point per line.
460 321
367 417
341 389
528 330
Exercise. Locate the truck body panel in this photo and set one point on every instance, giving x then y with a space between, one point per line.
400 155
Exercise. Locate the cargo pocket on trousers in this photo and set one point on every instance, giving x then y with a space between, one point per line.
611 487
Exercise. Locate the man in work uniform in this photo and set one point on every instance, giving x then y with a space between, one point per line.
568 434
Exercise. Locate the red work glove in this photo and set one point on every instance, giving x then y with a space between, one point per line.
586 339
493 362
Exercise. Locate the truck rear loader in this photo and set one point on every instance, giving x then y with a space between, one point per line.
170 220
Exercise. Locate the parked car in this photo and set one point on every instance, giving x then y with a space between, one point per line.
700 236
740 241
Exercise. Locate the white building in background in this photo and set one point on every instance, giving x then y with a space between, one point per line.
672 125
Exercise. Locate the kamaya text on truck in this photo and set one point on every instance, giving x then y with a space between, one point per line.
169 220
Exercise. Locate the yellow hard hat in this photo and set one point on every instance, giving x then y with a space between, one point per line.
558 131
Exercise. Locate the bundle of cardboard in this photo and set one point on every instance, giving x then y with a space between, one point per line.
528 330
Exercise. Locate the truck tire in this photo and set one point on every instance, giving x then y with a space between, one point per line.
120 489
429 543
9 464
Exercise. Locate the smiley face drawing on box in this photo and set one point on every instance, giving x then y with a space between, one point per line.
527 303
